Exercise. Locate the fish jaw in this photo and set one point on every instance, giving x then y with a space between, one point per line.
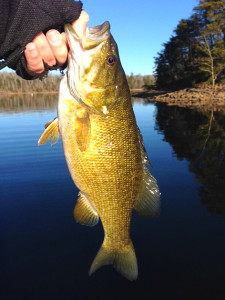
94 69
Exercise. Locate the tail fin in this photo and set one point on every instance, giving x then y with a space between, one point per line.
123 260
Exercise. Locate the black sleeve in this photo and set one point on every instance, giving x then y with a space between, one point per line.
22 20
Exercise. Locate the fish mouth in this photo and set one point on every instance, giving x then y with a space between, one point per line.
93 35
79 56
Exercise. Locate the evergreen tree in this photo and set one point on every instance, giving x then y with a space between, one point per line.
196 52
212 38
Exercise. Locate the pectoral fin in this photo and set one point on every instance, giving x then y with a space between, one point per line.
84 213
82 129
51 132
148 203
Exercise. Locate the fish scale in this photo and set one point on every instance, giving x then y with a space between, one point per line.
103 173
103 147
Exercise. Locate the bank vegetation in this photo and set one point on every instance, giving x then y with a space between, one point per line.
10 83
195 53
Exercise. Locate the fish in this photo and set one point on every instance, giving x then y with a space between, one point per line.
103 146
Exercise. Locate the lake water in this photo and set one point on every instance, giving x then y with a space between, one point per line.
45 254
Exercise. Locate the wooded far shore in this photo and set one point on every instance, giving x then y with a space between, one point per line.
199 97
140 86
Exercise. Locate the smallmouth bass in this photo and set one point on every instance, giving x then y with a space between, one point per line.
102 145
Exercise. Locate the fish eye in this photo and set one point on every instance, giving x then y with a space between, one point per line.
110 60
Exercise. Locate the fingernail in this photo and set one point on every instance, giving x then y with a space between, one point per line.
32 49
54 37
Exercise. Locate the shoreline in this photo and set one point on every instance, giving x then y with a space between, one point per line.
9 93
206 98
189 97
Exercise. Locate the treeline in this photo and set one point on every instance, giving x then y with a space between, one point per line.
10 82
139 81
196 52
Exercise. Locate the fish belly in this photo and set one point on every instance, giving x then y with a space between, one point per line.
109 171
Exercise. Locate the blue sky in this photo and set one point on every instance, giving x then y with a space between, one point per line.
139 27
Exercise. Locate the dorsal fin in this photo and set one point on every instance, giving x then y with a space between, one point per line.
148 202
144 156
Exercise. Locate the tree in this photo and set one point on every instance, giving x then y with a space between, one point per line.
196 51
212 60
212 38
174 64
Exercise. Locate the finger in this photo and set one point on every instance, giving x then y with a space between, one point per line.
44 49
33 58
80 24
63 34
57 45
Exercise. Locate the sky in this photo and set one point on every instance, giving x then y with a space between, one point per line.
139 27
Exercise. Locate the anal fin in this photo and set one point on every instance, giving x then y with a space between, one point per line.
148 202
51 132
84 213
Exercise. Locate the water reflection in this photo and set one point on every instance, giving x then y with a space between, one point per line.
18 103
198 137
28 102
46 254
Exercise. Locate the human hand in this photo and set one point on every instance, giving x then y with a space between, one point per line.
51 48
